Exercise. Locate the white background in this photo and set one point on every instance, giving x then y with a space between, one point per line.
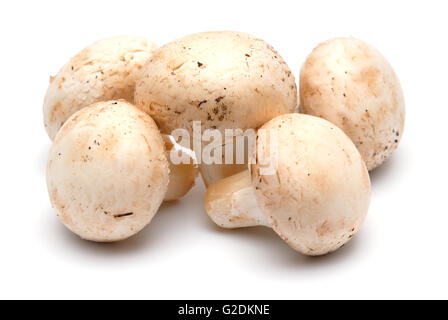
401 252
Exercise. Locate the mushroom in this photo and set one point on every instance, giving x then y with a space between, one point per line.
350 83
225 80
107 171
105 70
315 200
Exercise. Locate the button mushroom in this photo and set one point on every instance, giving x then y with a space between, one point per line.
317 198
107 172
105 70
226 80
350 83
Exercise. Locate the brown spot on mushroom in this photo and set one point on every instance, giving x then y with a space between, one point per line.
147 143
56 111
122 215
323 229
177 67
61 82
258 91
370 76
201 103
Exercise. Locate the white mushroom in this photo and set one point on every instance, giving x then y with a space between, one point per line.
226 80
318 196
105 70
350 83
107 171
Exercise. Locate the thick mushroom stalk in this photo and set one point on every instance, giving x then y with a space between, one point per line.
182 176
316 198
231 203
214 173
239 155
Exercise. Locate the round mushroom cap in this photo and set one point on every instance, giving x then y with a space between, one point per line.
226 80
105 70
350 83
107 172
320 192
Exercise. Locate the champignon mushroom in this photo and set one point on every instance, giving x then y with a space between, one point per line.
105 70
318 196
350 83
225 80
107 171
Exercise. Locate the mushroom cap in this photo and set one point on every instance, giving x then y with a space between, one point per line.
320 193
107 172
223 79
350 83
105 70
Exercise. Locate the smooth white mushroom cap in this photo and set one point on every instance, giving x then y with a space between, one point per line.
320 193
103 71
107 172
351 84
223 79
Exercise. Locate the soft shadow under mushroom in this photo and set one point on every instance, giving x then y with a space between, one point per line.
261 250
395 166
161 235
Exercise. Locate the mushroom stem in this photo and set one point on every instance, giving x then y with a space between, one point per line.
182 179
231 203
182 176
213 173
234 150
